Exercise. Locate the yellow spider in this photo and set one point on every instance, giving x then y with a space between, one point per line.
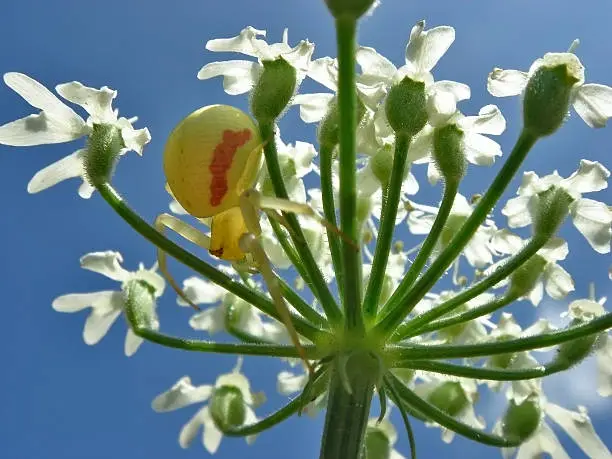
211 162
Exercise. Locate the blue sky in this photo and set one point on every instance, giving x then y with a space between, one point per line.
62 398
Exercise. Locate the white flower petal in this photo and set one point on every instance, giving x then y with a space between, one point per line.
593 102
134 139
579 427
480 150
132 343
97 102
558 282
504 83
288 383
313 107
542 441
590 176
299 57
106 263
325 72
459 91
604 366
245 43
421 145
100 320
66 168
86 190
238 76
211 320
180 395
489 121
74 302
593 220
517 211
212 435
425 48
191 429
56 124
201 291
373 63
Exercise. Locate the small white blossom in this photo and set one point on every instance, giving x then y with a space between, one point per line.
183 394
593 102
288 383
106 306
240 76
58 123
592 218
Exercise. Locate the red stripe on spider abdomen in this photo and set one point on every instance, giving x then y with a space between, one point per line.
223 157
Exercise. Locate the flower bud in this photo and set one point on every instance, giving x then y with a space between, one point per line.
329 129
227 408
548 93
140 304
103 148
573 352
451 227
273 90
521 421
552 206
406 107
382 164
448 153
376 444
449 397
350 8
525 278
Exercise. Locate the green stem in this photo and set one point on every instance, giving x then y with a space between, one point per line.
347 414
314 277
436 415
301 306
420 352
487 373
397 399
329 210
479 311
450 191
488 282
387 225
280 415
158 239
194 345
346 32
388 324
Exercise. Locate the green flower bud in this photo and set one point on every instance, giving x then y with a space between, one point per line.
525 278
227 408
449 397
448 153
364 209
329 128
502 361
234 311
548 93
103 148
573 352
376 444
273 90
521 421
406 107
453 223
382 164
140 304
349 8
552 208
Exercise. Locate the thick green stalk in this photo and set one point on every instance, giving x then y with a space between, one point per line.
489 374
421 352
329 210
387 225
346 32
314 278
388 324
488 282
158 239
450 191
347 413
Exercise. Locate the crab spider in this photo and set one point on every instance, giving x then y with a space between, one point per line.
211 161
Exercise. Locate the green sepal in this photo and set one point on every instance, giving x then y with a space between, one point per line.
103 148
227 408
405 107
448 153
273 90
521 421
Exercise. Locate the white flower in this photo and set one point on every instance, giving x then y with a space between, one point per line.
478 251
183 394
240 76
576 424
593 102
106 306
592 218
288 383
58 123
477 148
